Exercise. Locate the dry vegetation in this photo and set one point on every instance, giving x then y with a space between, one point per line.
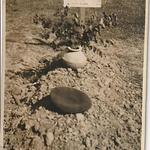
113 81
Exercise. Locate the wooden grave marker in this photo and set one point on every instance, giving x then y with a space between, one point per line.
83 4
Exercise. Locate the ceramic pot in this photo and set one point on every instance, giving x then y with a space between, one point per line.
75 59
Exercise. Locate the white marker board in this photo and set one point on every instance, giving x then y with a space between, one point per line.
82 3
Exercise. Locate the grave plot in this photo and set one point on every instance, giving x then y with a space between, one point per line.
49 46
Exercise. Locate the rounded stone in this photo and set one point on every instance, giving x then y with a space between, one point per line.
69 100
75 59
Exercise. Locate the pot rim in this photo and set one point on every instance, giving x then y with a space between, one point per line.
75 49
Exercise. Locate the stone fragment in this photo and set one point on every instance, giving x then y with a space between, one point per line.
37 143
49 138
88 142
80 117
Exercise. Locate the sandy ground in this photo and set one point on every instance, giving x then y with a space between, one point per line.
113 81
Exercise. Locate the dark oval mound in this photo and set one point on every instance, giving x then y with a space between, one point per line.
70 100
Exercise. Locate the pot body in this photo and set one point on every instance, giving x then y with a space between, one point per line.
75 60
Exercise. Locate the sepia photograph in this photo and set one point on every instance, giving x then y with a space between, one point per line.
74 74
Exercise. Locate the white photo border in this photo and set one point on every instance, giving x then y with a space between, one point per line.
145 137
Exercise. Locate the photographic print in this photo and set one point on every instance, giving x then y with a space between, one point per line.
74 74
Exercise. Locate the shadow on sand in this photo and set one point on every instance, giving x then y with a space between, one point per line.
47 104
33 75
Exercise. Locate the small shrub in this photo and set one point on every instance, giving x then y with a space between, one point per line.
69 30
